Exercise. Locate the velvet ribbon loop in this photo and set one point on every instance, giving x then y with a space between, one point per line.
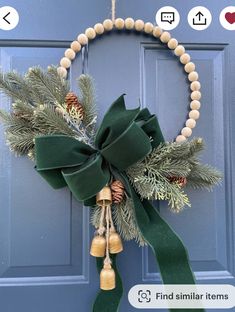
124 138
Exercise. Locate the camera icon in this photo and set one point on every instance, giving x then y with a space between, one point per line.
144 296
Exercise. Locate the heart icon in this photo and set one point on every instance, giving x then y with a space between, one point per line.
230 17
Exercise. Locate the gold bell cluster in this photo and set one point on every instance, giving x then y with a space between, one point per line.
106 241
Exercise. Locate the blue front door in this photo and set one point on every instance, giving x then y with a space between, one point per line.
45 234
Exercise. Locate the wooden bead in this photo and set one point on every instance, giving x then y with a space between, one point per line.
180 138
157 31
165 37
179 50
185 58
108 24
194 114
190 123
139 25
186 131
99 28
129 23
195 104
193 76
75 45
90 33
196 95
62 72
195 86
119 23
65 62
172 43
70 54
82 39
148 28
189 67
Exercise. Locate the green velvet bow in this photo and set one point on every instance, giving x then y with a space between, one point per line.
124 138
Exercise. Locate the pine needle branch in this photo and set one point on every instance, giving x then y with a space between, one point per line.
47 121
125 221
203 176
5 117
151 177
20 143
50 88
88 100
15 87
23 110
95 216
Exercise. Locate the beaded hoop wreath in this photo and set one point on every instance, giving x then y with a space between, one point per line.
117 169
165 37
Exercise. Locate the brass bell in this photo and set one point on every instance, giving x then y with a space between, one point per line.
115 243
98 246
104 197
107 278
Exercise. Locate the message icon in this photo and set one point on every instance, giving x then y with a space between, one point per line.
167 18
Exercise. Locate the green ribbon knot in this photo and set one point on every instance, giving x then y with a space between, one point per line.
123 138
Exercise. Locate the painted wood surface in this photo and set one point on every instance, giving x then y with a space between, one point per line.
45 234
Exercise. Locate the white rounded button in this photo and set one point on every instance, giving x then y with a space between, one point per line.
9 18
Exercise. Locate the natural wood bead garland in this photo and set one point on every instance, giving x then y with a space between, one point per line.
165 37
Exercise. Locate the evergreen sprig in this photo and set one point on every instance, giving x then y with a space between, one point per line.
15 86
125 221
39 108
87 97
151 177
51 88
47 120
203 176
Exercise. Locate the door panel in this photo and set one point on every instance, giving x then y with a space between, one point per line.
45 234
209 248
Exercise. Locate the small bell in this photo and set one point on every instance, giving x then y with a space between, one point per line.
107 278
104 197
115 243
98 246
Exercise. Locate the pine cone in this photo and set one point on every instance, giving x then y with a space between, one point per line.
73 106
182 181
117 189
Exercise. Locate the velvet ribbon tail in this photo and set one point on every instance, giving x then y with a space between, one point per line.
169 251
